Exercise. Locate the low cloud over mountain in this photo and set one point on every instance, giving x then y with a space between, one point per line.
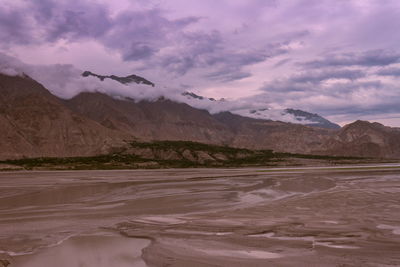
67 82
335 58
93 123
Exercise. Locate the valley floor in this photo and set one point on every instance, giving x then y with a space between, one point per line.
347 216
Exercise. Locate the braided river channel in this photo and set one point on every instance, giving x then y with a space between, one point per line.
346 216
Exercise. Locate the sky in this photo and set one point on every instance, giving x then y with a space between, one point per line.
337 58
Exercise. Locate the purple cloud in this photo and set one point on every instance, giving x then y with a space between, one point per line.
319 76
320 56
48 21
394 72
15 27
368 59
141 34
138 35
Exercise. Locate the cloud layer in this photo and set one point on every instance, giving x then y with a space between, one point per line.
337 58
66 81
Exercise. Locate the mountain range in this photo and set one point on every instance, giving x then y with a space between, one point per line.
266 113
35 123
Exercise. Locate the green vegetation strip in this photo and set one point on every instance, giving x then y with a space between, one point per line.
127 158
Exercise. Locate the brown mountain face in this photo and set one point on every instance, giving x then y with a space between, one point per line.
364 139
145 120
167 120
35 123
275 135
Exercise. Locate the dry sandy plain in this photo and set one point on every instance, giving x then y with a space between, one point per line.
201 217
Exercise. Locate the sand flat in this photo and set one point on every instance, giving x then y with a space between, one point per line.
88 251
201 217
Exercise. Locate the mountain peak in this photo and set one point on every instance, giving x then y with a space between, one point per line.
313 118
124 80
364 124
193 95
93 123
286 115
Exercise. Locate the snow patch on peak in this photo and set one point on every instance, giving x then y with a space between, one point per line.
255 110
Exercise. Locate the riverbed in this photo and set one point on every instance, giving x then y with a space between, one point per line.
202 217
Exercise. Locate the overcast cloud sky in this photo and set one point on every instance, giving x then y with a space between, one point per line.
338 58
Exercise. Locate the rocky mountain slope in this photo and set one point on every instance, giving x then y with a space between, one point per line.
167 120
151 120
312 119
124 80
36 123
275 135
285 115
364 139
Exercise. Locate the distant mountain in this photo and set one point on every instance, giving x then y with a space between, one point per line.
364 139
124 80
194 96
312 119
168 120
286 115
35 123
276 135
150 120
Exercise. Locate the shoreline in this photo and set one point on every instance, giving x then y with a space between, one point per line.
321 167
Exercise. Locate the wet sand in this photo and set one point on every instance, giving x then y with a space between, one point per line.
201 217
97 250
